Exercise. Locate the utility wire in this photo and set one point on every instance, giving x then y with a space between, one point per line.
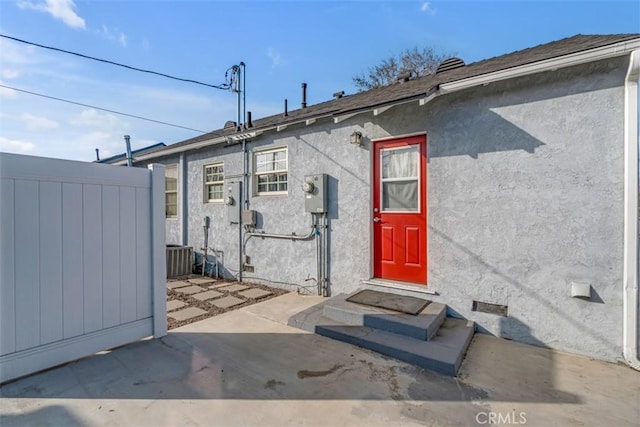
225 86
102 109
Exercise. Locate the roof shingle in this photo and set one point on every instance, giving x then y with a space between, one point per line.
425 85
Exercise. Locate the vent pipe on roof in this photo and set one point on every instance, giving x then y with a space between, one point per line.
304 95
286 108
249 122
338 95
127 141
404 77
97 154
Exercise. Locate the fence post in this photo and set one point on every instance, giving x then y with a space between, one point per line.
158 250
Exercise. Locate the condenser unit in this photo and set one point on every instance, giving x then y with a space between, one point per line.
179 260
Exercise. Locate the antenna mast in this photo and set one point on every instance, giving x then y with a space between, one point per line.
239 81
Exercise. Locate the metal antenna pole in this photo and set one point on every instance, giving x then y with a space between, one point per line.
244 93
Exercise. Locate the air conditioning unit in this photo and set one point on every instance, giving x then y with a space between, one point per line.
179 260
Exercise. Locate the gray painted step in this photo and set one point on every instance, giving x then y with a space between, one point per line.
442 354
422 326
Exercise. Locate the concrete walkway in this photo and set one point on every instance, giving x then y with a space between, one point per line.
246 367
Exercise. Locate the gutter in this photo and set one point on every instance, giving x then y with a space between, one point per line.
175 150
630 264
552 64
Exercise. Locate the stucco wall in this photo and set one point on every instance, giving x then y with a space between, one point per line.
526 196
172 225
525 182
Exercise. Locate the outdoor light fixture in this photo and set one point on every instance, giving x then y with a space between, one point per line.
356 138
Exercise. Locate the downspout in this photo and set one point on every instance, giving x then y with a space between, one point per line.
184 214
630 279
325 255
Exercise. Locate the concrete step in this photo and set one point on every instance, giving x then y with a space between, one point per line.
442 354
422 326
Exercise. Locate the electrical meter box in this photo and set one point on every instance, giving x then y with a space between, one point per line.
315 193
233 201
249 218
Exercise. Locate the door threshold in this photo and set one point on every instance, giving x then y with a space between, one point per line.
396 284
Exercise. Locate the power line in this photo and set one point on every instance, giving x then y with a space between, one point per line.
225 86
102 109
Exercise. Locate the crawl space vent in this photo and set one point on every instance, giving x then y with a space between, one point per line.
485 307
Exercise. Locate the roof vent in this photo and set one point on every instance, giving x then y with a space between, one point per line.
230 124
338 95
404 77
450 64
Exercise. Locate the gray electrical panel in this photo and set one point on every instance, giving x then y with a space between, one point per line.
249 218
233 200
315 193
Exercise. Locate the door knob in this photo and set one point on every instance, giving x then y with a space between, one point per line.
376 219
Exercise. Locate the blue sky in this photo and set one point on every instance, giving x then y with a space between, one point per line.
285 43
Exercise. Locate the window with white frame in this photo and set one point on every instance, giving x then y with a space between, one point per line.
270 171
213 182
171 191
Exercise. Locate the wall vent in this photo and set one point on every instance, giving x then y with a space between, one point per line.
179 260
450 64
485 307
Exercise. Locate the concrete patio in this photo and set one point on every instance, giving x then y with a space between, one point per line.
246 367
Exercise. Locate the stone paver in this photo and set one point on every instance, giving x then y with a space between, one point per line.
255 293
174 304
178 284
203 281
227 302
190 290
233 288
207 295
187 313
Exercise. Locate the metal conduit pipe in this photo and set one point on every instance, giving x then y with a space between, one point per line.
318 264
206 244
249 235
219 259
312 233
325 255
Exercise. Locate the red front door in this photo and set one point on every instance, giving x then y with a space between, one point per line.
400 209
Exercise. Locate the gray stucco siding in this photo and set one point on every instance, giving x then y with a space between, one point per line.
525 195
529 200
172 225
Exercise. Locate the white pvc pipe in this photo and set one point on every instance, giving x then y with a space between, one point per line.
630 279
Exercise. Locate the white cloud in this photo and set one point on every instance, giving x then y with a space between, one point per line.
15 146
94 119
7 93
63 10
114 35
16 54
9 73
276 58
35 123
427 8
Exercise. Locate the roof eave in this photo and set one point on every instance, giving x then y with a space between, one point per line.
552 64
173 150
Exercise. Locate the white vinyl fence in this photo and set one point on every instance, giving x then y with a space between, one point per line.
82 260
